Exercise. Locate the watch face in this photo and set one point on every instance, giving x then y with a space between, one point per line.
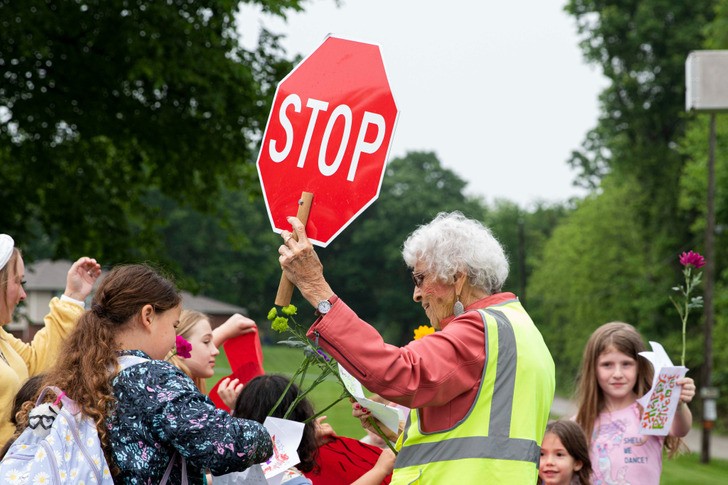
324 307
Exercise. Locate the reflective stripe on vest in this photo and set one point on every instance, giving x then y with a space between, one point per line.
497 443
493 447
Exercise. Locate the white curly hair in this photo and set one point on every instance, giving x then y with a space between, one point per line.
451 243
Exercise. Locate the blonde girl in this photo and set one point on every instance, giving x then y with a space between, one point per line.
613 376
195 327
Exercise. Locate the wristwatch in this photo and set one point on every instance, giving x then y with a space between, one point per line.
324 306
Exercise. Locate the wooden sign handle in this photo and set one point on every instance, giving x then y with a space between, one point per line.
285 287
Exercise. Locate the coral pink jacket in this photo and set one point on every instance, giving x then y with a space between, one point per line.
438 373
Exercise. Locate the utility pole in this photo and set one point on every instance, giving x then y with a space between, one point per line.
707 92
708 310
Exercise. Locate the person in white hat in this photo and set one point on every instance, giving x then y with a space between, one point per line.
20 360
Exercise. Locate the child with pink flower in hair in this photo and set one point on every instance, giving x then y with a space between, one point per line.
195 330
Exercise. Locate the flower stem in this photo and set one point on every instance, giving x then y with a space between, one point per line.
345 395
285 391
379 431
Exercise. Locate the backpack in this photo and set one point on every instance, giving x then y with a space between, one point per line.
70 452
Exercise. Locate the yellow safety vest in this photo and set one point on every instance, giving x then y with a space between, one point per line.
499 439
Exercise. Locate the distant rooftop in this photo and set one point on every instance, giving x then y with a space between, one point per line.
47 275
208 305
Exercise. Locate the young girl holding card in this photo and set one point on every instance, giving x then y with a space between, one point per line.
613 376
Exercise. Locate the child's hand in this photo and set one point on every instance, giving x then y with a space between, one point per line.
687 391
234 326
385 463
228 390
324 431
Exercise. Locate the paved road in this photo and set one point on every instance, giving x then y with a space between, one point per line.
718 444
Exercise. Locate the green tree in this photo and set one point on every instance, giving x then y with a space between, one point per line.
633 161
523 234
102 100
594 270
641 47
228 253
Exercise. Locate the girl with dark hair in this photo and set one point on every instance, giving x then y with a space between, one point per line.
258 398
26 394
260 395
564 455
149 412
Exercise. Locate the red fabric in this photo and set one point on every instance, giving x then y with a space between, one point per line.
343 460
246 361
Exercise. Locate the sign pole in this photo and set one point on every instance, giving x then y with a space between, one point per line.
285 287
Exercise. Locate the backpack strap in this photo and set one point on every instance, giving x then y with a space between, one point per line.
125 361
68 403
168 471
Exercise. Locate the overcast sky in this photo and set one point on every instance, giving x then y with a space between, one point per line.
498 90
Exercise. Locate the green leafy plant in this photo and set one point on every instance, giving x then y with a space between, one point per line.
314 360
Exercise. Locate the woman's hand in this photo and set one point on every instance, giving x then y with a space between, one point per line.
234 326
363 414
301 264
81 278
229 390
687 389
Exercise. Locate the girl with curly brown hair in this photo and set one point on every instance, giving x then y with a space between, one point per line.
149 413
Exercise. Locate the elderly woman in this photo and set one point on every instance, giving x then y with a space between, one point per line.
20 360
480 388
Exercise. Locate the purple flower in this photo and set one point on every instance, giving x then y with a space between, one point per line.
183 347
691 258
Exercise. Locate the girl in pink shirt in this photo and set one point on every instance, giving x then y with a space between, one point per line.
613 376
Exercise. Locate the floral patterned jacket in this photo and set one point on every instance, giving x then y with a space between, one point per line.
160 411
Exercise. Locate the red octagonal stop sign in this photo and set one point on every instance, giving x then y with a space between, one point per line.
329 133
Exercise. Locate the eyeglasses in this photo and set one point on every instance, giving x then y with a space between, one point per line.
418 278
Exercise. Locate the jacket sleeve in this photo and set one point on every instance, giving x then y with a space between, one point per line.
206 436
42 351
426 372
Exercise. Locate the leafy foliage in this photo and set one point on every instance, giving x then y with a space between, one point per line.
641 47
102 100
594 270
523 234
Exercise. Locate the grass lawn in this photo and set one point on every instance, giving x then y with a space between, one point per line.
687 470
